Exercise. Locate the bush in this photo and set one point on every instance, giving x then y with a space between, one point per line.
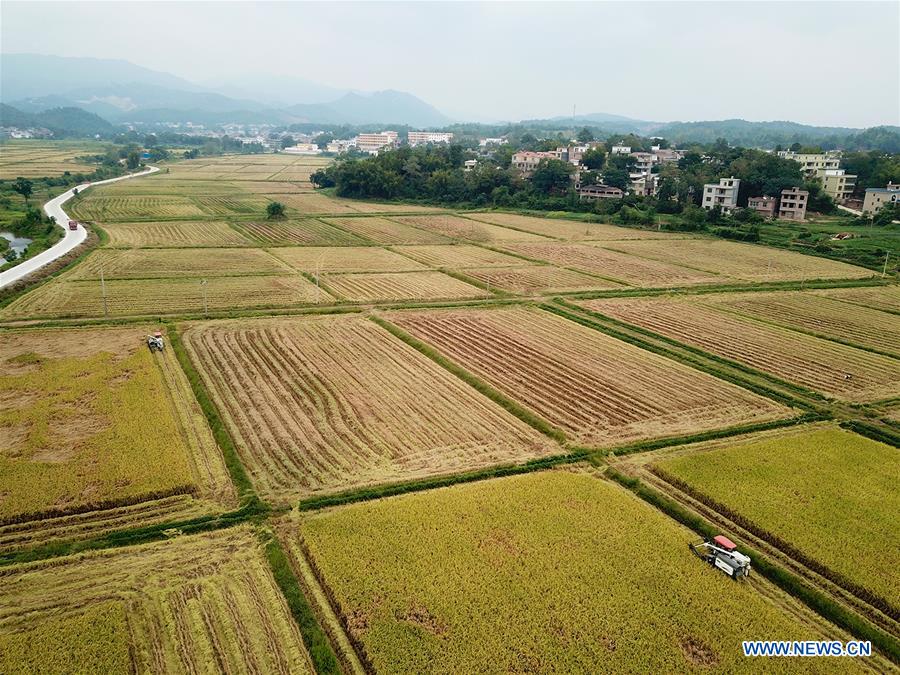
275 210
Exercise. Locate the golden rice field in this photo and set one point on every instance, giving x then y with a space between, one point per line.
529 279
599 390
76 435
747 262
886 298
385 231
193 604
170 234
458 256
173 263
620 267
820 315
328 260
400 286
571 230
827 492
305 232
545 572
38 158
156 207
304 203
457 227
330 403
155 297
818 364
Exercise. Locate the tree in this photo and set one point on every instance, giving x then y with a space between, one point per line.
585 135
593 159
192 153
617 178
551 176
133 160
275 210
287 142
24 187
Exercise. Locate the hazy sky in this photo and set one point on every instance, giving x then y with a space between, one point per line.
831 63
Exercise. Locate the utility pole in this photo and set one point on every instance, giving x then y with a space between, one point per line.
103 292
205 305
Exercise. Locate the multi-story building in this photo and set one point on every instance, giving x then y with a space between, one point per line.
372 143
664 155
470 164
876 198
765 206
644 161
415 138
303 149
621 150
793 204
643 184
837 183
812 163
484 142
526 161
724 194
594 192
340 145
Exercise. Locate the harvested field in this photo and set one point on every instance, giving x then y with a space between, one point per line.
384 231
817 314
316 203
626 269
572 230
193 604
94 206
173 234
439 581
401 286
308 232
886 298
154 297
331 403
827 492
75 435
388 207
36 159
458 256
812 362
747 262
538 279
329 260
179 262
458 227
272 188
600 390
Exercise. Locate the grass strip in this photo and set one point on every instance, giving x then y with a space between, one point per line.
317 644
788 582
882 434
482 387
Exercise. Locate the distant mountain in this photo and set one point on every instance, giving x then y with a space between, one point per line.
742 132
61 121
382 107
277 91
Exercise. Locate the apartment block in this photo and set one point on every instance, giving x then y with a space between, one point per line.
723 194
765 206
594 192
812 163
372 143
837 183
876 198
415 138
793 204
526 161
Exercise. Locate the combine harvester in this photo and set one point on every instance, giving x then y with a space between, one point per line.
155 342
721 552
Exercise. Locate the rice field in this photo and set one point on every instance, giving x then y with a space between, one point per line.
821 315
171 234
156 297
885 298
570 230
458 256
305 203
619 267
545 572
176 263
832 369
330 403
192 604
328 260
457 227
75 436
400 286
304 232
529 279
747 262
599 390
828 493
385 231
126 208
39 158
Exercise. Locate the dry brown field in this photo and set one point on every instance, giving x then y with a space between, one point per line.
600 390
827 367
886 298
173 234
620 267
538 279
458 256
570 230
37 158
457 227
385 231
329 260
305 232
173 263
330 403
400 286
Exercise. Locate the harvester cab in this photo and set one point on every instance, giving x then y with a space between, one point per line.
155 342
722 553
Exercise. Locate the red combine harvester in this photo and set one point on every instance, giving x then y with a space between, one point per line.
73 224
721 552
155 342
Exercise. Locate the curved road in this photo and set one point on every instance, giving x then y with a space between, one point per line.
71 239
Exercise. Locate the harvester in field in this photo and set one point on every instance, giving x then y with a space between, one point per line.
721 552
155 342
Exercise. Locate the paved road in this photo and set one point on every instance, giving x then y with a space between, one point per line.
71 239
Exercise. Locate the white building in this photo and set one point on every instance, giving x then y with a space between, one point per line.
372 143
724 194
484 142
621 150
415 138
340 145
470 164
303 149
812 163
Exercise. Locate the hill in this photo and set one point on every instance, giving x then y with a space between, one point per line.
64 121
